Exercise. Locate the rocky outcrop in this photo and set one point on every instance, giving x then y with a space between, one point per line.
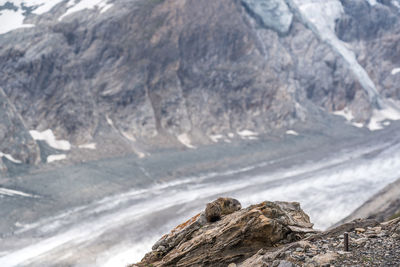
275 234
16 145
232 239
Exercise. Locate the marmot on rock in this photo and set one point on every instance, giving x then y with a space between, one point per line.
221 206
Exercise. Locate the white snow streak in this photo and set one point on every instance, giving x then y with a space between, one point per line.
395 71
348 115
247 134
102 5
216 137
10 192
88 146
11 20
10 158
291 132
380 117
50 139
58 157
185 140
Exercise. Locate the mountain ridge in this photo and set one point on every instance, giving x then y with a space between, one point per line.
132 77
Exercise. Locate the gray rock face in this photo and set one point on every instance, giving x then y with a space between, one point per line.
373 33
271 14
153 74
15 139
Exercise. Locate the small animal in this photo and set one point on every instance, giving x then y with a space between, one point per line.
221 206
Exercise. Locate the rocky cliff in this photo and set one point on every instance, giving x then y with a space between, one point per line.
275 234
133 76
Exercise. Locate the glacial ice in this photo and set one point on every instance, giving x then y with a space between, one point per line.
75 6
320 16
11 20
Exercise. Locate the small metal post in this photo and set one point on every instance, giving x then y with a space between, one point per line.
346 241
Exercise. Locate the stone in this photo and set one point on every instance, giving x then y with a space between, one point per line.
326 258
251 229
284 263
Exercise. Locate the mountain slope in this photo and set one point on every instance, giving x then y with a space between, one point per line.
134 76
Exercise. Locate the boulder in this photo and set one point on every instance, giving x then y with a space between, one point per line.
232 239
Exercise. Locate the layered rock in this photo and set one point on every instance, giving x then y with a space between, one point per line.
275 234
235 237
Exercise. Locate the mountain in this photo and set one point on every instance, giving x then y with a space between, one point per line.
92 79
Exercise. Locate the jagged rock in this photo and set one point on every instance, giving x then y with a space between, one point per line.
260 236
234 238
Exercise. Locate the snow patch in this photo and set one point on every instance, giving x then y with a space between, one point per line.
105 8
43 6
395 71
380 117
185 140
58 157
291 132
371 2
109 121
88 146
396 4
77 5
11 20
10 158
216 137
348 115
247 133
50 139
11 193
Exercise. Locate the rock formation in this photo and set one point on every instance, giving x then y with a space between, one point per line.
232 239
274 234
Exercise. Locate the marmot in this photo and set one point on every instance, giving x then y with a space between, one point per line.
221 206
